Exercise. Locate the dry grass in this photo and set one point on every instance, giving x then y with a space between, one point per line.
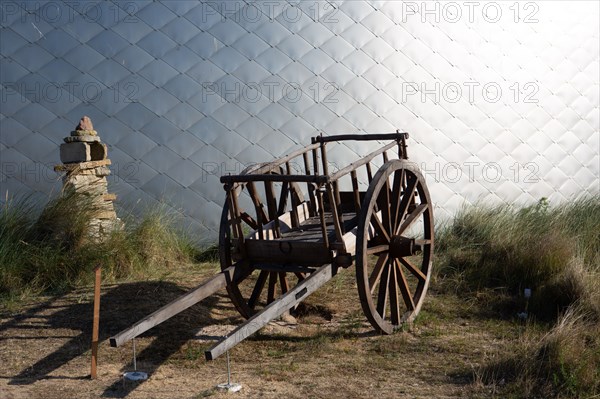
51 251
467 341
497 252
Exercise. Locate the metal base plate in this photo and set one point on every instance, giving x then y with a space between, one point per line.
231 387
135 376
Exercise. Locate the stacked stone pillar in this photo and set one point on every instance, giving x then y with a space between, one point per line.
85 163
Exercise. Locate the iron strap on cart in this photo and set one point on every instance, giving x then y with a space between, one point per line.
289 225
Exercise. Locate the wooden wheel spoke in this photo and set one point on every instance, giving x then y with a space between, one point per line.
394 303
258 206
384 205
396 188
404 289
272 285
379 228
283 197
378 248
283 282
258 287
376 273
411 268
414 215
409 193
383 290
249 220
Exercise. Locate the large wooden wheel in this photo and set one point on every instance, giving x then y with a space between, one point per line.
394 246
261 284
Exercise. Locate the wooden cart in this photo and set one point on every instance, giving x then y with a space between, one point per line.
288 226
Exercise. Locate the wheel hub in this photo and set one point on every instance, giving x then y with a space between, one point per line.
401 246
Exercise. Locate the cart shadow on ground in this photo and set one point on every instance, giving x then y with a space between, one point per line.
121 306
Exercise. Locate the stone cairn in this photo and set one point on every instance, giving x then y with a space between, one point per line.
85 164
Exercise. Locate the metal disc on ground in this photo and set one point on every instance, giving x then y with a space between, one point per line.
135 376
231 387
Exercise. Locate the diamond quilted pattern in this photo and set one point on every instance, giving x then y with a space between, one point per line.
227 32
294 47
32 33
230 115
296 101
185 172
136 144
161 158
183 115
317 61
133 31
157 44
184 144
275 115
183 87
59 71
11 71
58 42
208 129
277 146
357 35
156 15
184 92
295 74
273 60
135 115
337 48
160 130
179 30
316 34
251 72
250 45
293 18
272 32
160 101
32 57
84 58
34 116
109 72
11 131
228 59
158 72
108 43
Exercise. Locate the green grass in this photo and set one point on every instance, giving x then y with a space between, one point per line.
494 253
51 251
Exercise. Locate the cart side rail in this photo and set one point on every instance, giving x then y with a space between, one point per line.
259 175
360 137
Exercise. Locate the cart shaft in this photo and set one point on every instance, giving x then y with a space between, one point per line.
180 304
275 309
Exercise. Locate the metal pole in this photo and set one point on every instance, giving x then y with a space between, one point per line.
96 323
134 356
228 371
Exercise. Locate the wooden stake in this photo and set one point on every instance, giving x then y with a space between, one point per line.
96 322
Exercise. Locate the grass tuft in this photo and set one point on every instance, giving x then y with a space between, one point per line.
554 251
52 251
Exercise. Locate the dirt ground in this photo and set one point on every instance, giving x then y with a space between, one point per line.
331 352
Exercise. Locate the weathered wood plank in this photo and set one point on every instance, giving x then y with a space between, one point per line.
275 309
287 252
180 304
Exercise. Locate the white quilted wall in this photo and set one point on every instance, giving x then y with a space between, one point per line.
501 98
